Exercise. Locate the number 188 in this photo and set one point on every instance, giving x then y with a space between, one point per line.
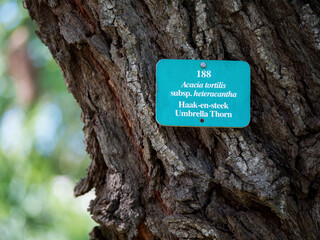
204 74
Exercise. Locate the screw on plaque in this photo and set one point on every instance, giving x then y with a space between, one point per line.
203 65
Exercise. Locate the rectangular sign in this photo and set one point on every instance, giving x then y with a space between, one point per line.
203 93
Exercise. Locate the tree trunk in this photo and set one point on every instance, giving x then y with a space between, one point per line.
155 182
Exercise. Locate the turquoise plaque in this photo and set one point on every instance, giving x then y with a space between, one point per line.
203 93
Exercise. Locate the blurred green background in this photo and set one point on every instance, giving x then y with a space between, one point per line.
41 140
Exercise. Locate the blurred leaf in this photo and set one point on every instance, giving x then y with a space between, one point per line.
41 146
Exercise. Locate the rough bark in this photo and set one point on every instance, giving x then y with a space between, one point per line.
154 182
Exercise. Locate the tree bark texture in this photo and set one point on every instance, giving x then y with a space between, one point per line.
155 182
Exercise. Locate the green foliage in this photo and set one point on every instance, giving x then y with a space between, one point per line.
41 147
